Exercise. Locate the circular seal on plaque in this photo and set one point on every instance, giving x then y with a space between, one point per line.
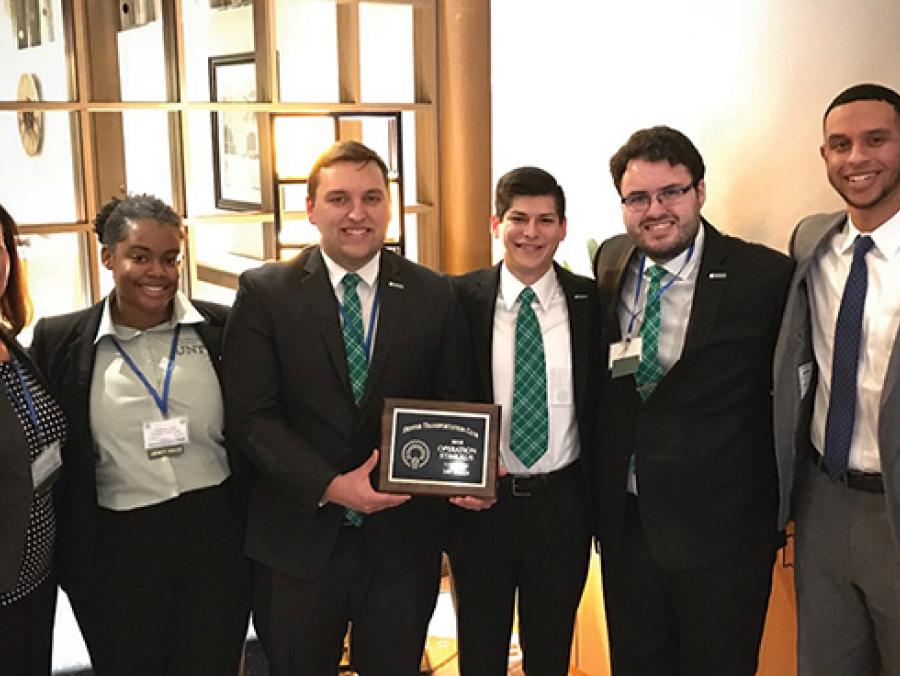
415 454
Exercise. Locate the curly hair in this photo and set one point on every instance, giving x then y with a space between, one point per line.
657 144
112 221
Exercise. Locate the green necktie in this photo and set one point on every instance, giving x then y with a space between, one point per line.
528 430
354 338
650 372
357 359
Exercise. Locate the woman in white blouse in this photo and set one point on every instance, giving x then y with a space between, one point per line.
151 502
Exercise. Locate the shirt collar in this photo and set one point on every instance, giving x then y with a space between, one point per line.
368 272
886 236
183 312
510 287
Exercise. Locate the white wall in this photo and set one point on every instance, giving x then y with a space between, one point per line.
747 80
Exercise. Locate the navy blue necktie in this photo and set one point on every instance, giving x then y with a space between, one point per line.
845 363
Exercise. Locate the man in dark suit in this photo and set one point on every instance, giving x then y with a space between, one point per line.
536 539
685 474
312 348
837 368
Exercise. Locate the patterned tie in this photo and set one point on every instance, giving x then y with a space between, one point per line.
845 363
357 359
354 338
528 430
650 372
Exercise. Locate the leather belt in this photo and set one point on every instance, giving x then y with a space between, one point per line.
528 485
870 482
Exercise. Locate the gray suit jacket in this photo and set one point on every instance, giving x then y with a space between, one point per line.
795 362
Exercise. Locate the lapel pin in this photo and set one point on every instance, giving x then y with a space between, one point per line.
581 296
718 275
395 285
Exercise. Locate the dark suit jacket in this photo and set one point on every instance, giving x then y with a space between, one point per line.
63 348
793 412
703 440
290 407
478 295
16 489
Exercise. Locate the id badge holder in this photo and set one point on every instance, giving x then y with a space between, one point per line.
625 357
165 438
46 466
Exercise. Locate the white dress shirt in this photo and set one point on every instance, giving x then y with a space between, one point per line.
120 404
675 302
675 307
367 290
881 318
553 317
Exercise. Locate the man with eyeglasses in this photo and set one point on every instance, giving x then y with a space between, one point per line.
685 477
837 395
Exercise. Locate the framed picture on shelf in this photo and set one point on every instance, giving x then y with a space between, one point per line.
235 134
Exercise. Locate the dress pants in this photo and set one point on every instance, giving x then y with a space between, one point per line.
538 545
26 632
704 621
848 581
301 623
171 595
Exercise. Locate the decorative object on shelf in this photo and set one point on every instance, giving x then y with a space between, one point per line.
31 122
136 13
27 19
235 135
228 4
46 10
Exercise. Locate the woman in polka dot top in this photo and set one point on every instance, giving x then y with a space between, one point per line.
33 429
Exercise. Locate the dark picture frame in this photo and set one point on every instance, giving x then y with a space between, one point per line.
235 134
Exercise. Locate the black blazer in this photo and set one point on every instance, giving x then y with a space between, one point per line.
63 347
290 408
16 489
478 295
703 440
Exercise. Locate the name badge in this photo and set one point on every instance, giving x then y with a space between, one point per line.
164 438
625 357
46 465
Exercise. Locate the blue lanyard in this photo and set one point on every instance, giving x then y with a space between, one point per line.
161 402
26 393
637 291
366 340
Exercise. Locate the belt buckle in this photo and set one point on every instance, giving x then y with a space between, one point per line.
519 492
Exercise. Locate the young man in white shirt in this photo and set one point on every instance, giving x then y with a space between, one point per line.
535 337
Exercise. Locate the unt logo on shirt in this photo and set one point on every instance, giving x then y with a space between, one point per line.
190 350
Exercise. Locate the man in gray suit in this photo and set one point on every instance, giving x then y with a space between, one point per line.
837 368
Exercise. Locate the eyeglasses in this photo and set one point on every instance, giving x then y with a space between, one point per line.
640 201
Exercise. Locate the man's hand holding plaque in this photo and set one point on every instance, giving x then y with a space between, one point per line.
354 490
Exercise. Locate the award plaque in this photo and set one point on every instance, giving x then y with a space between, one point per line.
439 448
